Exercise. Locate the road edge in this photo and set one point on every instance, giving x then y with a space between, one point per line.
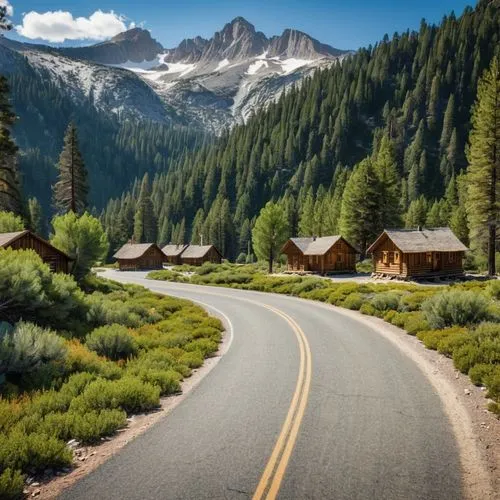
95 456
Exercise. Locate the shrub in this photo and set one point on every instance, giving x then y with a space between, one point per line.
10 222
432 338
33 451
193 359
492 383
478 373
168 381
81 359
447 345
353 301
413 301
455 308
128 393
28 348
465 357
493 289
113 341
368 309
385 301
205 346
11 484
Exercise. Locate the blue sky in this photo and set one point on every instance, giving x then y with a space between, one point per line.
344 24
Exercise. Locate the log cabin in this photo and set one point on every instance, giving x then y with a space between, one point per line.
196 255
57 260
138 256
421 253
173 253
327 254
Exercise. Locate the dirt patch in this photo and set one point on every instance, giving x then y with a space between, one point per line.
88 458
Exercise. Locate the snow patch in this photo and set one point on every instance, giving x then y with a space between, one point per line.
222 64
290 65
254 67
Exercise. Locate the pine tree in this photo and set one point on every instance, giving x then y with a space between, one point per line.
10 191
385 166
71 189
145 224
35 216
483 173
417 213
269 233
360 220
306 220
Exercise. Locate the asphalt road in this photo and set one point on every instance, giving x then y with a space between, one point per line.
367 425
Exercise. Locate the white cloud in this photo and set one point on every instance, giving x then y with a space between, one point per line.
58 26
10 9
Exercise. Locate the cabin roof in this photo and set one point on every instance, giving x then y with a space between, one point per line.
7 239
198 251
173 250
133 250
317 246
439 239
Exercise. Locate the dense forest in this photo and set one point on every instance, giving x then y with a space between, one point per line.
115 151
400 109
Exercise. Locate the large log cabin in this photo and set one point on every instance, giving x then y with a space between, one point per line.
196 255
57 260
137 256
327 254
421 253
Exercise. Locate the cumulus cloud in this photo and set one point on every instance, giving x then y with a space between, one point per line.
10 9
58 26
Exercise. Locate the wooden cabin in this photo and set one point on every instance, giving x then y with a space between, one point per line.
196 255
173 253
421 253
327 254
138 256
57 260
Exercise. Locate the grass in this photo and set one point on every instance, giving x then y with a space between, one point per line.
129 348
461 321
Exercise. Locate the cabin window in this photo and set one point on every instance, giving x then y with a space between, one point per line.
339 257
451 257
396 258
429 257
385 257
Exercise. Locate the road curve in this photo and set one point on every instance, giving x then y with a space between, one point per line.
371 425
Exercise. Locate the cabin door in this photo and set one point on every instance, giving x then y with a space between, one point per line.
436 262
295 262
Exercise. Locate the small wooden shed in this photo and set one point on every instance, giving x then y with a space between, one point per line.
173 253
327 254
137 256
57 260
196 255
420 253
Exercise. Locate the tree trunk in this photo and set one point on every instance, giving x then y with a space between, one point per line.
270 259
491 249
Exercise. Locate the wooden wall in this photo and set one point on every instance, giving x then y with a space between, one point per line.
388 259
153 258
340 258
57 262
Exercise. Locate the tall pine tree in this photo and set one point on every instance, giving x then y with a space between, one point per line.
483 207
71 189
145 224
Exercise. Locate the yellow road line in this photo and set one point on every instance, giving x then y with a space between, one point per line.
273 474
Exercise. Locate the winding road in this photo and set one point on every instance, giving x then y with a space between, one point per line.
306 404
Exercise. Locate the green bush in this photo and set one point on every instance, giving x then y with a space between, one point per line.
27 348
386 301
113 341
432 338
128 393
168 381
493 289
205 346
193 359
81 359
11 484
455 307
353 301
478 373
33 452
492 383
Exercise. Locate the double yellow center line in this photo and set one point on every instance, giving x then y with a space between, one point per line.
274 472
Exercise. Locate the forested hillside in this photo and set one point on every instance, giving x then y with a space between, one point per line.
115 151
402 108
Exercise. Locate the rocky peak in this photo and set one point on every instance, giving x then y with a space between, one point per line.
296 44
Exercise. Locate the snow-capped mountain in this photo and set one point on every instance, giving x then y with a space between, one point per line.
207 83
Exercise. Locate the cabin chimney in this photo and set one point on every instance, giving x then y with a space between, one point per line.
201 239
